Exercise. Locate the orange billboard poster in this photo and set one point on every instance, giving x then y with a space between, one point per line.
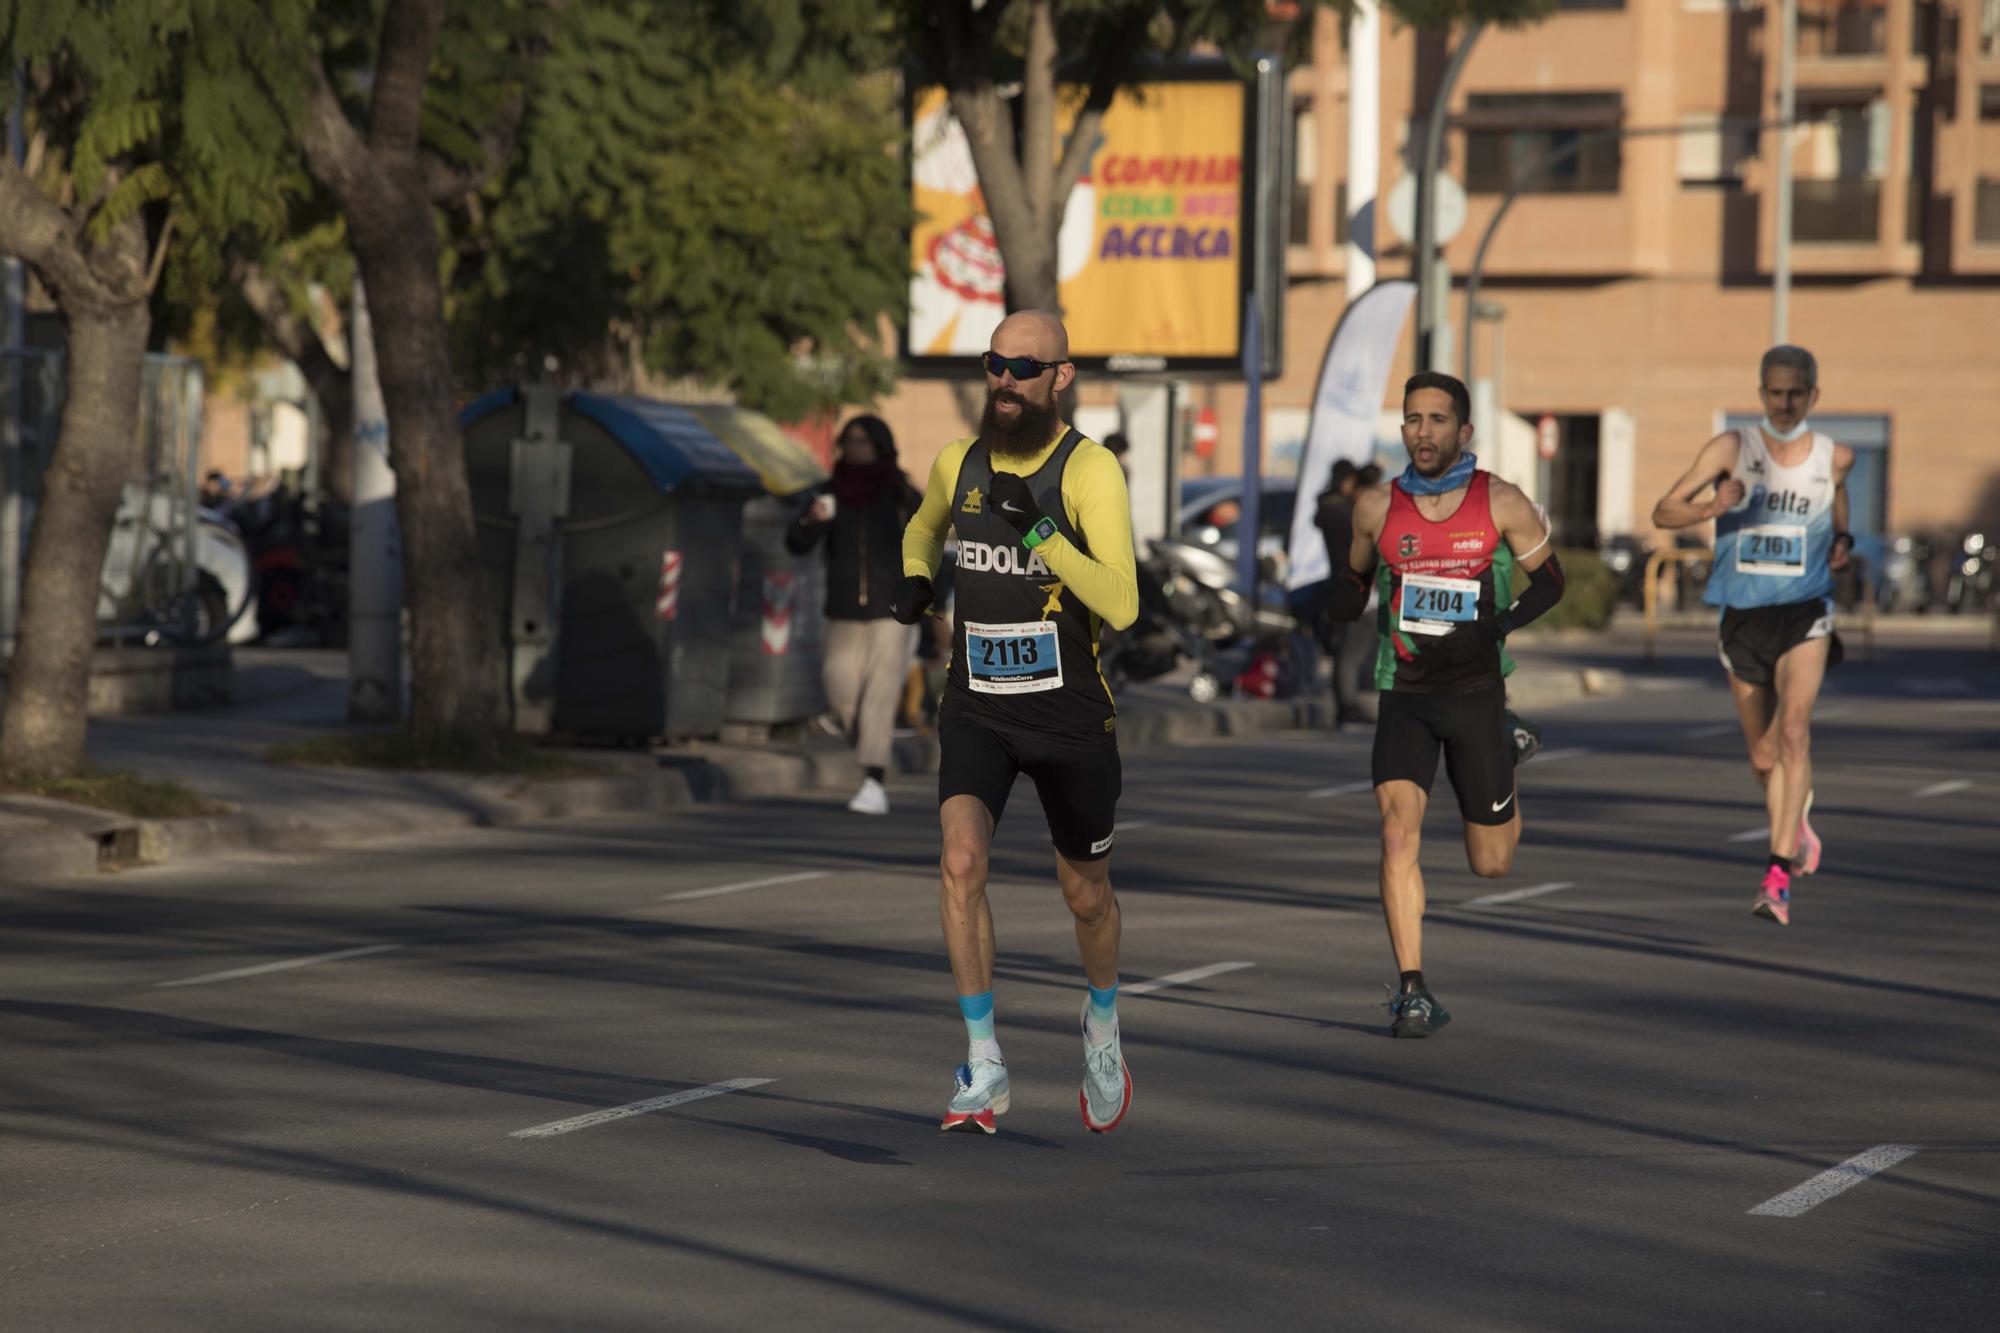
1150 250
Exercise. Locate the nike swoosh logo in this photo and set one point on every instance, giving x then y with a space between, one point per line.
1010 508
1498 806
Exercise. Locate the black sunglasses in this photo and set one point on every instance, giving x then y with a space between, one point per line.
1020 367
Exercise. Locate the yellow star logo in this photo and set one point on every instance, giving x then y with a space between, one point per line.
972 501
1054 604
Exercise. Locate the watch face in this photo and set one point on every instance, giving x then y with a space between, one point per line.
1045 529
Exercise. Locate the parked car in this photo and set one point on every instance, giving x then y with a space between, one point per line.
1211 507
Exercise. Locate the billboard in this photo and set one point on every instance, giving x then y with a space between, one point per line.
1152 251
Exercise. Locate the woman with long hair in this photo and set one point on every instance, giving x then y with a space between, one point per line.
860 514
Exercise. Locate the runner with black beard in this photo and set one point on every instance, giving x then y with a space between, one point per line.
1044 562
1446 534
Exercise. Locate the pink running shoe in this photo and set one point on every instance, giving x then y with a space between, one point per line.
1774 900
1809 844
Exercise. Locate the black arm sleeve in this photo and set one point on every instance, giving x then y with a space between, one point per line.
1544 590
1347 589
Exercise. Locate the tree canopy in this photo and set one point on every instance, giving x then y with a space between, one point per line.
709 192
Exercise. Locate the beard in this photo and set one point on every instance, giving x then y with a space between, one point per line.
1033 426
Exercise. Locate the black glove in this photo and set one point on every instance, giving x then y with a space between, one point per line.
1010 498
912 598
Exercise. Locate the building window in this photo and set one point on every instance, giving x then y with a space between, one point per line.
1989 101
1843 27
1511 137
1305 170
1986 213
1712 153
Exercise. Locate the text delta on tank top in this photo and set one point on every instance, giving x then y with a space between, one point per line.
1434 576
1771 550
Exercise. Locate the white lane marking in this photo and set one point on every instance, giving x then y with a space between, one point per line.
1716 729
1515 895
767 882
1181 978
1751 834
1834 1181
1124 825
1838 710
286 965
1942 788
1937 684
1344 789
1972 706
1569 752
555 1127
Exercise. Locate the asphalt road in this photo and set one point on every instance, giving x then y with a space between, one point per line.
193 1137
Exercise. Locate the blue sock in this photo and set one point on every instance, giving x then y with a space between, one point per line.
1103 1004
978 1012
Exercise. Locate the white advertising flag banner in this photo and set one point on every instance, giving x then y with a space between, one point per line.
1345 409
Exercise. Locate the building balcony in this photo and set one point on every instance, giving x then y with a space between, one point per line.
1836 212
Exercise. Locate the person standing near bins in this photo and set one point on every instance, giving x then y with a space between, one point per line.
1044 562
860 514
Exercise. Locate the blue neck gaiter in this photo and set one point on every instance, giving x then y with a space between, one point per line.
1457 475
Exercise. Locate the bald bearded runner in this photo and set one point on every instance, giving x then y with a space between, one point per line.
1045 561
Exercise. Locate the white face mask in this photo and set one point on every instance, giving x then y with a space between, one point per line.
1786 436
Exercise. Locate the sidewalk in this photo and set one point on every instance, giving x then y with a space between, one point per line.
290 694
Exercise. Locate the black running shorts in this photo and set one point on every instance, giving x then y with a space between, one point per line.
1752 639
1078 781
1471 730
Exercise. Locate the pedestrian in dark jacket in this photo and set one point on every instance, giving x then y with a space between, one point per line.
860 514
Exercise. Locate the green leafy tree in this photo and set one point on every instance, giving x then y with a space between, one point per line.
702 192
975 51
142 127
396 109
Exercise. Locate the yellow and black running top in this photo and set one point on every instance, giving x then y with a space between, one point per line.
1024 652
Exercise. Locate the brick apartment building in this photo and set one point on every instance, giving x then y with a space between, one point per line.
1628 294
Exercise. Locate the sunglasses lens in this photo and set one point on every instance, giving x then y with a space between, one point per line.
1020 367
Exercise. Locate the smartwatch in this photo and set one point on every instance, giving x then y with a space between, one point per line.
1044 528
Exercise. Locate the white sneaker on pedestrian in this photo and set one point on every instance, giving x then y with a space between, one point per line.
870 800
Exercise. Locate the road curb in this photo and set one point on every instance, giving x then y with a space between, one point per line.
87 842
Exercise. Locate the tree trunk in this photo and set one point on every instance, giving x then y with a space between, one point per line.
48 687
458 684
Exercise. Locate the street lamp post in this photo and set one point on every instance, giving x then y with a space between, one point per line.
1430 301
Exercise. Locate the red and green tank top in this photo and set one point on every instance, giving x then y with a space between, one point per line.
1433 577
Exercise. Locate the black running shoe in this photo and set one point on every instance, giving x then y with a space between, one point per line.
1416 1014
1527 737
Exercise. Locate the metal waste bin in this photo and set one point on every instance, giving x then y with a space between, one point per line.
610 526
780 631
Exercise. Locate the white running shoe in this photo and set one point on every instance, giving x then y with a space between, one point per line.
978 1093
1106 1094
870 800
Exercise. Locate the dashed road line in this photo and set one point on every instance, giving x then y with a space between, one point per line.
769 881
1567 752
1942 788
1714 729
1751 834
1344 789
286 965
1833 1181
606 1116
1181 978
1515 895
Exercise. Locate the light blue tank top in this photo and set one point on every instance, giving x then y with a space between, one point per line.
1772 548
